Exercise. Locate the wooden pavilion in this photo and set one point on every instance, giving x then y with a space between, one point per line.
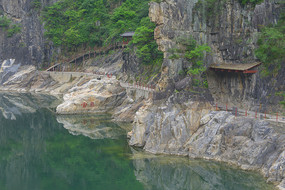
127 37
236 68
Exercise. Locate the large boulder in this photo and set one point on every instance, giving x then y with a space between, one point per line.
93 96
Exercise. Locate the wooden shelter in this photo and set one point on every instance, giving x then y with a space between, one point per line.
127 37
236 68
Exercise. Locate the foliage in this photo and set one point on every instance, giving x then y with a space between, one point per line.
283 103
282 94
194 54
147 49
93 22
36 4
4 21
11 29
195 57
253 2
271 47
174 56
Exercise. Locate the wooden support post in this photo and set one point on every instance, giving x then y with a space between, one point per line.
216 107
246 113
226 107
255 114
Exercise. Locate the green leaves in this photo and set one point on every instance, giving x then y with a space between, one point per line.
93 22
71 23
271 47
197 54
253 2
11 29
147 49
195 57
4 21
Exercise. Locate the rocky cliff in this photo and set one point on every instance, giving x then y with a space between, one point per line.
191 129
231 30
28 46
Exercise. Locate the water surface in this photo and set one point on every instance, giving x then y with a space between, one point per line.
42 151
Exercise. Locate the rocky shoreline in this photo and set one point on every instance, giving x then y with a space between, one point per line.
192 129
174 126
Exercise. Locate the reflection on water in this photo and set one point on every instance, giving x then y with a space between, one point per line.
39 151
13 104
92 126
170 172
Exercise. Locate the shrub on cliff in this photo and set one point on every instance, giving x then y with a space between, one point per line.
92 22
146 47
271 47
9 27
189 49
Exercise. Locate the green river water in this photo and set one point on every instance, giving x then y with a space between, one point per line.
42 151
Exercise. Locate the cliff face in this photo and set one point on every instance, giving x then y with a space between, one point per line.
230 29
192 129
28 46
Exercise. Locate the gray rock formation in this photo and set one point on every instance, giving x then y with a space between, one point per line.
82 92
28 46
93 96
192 129
228 27
231 30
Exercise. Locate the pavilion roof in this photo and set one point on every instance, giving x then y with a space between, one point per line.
239 67
128 34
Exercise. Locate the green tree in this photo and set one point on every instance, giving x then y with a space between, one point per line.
195 57
147 49
271 47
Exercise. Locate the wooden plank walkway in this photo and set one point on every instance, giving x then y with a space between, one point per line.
88 55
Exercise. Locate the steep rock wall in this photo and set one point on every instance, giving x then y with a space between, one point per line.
230 29
28 46
193 130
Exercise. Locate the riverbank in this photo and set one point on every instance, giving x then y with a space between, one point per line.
42 150
180 125
81 92
193 129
